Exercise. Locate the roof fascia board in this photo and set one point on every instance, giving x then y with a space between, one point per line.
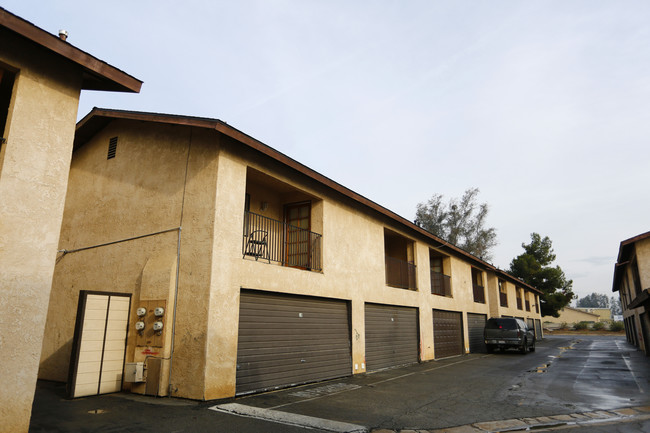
112 78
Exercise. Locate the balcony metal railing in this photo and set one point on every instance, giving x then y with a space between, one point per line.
518 303
276 241
479 293
440 284
503 299
400 273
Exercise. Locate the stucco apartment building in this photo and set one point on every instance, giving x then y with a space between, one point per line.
41 76
632 282
225 267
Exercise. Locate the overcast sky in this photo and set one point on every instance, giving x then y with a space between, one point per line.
543 105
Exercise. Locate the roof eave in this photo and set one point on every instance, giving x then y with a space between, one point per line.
98 75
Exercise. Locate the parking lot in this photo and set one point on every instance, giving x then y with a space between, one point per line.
566 380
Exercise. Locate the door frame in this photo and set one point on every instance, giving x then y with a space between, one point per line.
78 332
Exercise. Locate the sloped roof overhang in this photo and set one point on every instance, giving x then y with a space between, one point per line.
97 74
624 252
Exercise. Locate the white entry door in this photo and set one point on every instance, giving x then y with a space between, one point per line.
99 345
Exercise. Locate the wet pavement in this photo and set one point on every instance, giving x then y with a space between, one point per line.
577 382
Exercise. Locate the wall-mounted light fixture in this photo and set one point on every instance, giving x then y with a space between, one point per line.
264 206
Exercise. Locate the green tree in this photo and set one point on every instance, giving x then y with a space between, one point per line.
615 305
593 300
460 222
534 268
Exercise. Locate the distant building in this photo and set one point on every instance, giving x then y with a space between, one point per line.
632 282
570 316
605 314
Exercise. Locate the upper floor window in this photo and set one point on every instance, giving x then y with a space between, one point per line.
6 90
440 274
477 286
503 293
537 304
399 255
636 280
519 303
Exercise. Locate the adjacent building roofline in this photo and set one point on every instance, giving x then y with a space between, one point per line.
579 311
623 257
98 75
98 118
626 243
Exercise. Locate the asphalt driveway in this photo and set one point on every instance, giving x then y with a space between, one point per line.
565 377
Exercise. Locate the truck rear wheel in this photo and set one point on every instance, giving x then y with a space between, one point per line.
524 348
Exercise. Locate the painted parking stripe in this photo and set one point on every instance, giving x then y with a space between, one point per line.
287 418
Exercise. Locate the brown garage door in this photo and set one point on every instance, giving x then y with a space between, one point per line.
531 325
538 329
475 326
391 336
287 340
447 333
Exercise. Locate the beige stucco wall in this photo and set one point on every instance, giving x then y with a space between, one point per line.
33 179
511 310
143 192
642 249
161 179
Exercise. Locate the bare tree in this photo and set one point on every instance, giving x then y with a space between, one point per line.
460 222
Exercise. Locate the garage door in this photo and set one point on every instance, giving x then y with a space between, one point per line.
538 329
476 324
447 333
99 344
287 340
392 336
531 324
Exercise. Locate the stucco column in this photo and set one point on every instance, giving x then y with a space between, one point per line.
33 182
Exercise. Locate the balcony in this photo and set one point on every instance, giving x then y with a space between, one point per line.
440 284
479 293
278 242
400 273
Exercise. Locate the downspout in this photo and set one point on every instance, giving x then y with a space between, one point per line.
178 267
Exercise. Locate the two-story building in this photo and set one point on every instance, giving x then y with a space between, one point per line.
226 267
632 282
41 77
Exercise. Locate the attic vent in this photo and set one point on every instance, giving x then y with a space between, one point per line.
112 147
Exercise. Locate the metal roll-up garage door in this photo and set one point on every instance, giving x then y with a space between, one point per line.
531 324
538 329
287 340
392 336
447 333
475 325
